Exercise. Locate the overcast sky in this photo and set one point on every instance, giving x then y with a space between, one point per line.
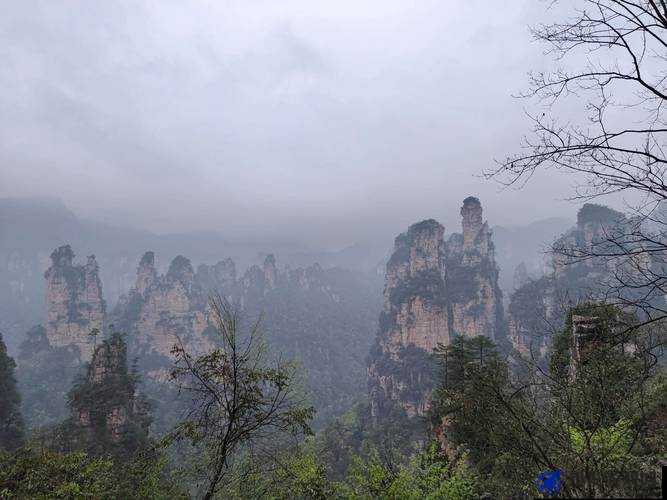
322 121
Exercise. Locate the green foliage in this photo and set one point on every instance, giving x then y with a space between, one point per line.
467 408
426 284
108 388
303 475
612 443
357 435
240 400
322 319
412 372
29 473
463 279
596 419
45 375
428 475
11 422
46 474
603 386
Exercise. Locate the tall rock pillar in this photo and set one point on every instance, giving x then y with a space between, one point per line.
472 277
74 302
413 321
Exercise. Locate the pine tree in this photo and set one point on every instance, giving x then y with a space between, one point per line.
11 423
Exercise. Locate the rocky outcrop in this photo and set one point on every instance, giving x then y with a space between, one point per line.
434 291
74 302
161 309
415 294
530 312
538 308
472 276
105 406
270 271
321 318
587 336
146 274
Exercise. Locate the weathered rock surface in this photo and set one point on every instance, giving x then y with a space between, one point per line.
539 307
321 318
434 291
74 302
163 309
472 277
105 405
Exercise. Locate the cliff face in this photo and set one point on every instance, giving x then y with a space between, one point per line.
538 307
434 291
415 310
530 312
74 301
105 408
160 309
472 275
321 318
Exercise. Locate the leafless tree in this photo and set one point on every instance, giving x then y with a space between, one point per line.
242 402
619 48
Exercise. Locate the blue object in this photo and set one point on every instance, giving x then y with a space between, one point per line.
549 482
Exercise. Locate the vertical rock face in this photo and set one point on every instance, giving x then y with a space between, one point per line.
146 274
162 309
74 301
270 271
322 318
413 321
108 365
530 312
434 291
105 405
595 224
586 337
415 310
539 307
471 214
108 360
472 276
225 273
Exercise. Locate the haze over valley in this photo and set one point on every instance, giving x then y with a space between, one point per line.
333 250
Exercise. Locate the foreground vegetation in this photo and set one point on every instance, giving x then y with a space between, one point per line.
492 428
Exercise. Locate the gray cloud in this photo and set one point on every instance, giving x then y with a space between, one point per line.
325 122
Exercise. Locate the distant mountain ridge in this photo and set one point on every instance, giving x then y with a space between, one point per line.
30 228
323 319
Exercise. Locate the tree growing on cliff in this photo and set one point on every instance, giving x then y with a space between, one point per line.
242 403
596 413
618 50
108 417
11 422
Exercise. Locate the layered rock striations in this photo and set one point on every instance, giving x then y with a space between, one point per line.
434 291
74 302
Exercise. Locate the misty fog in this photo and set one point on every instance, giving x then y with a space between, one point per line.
317 123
